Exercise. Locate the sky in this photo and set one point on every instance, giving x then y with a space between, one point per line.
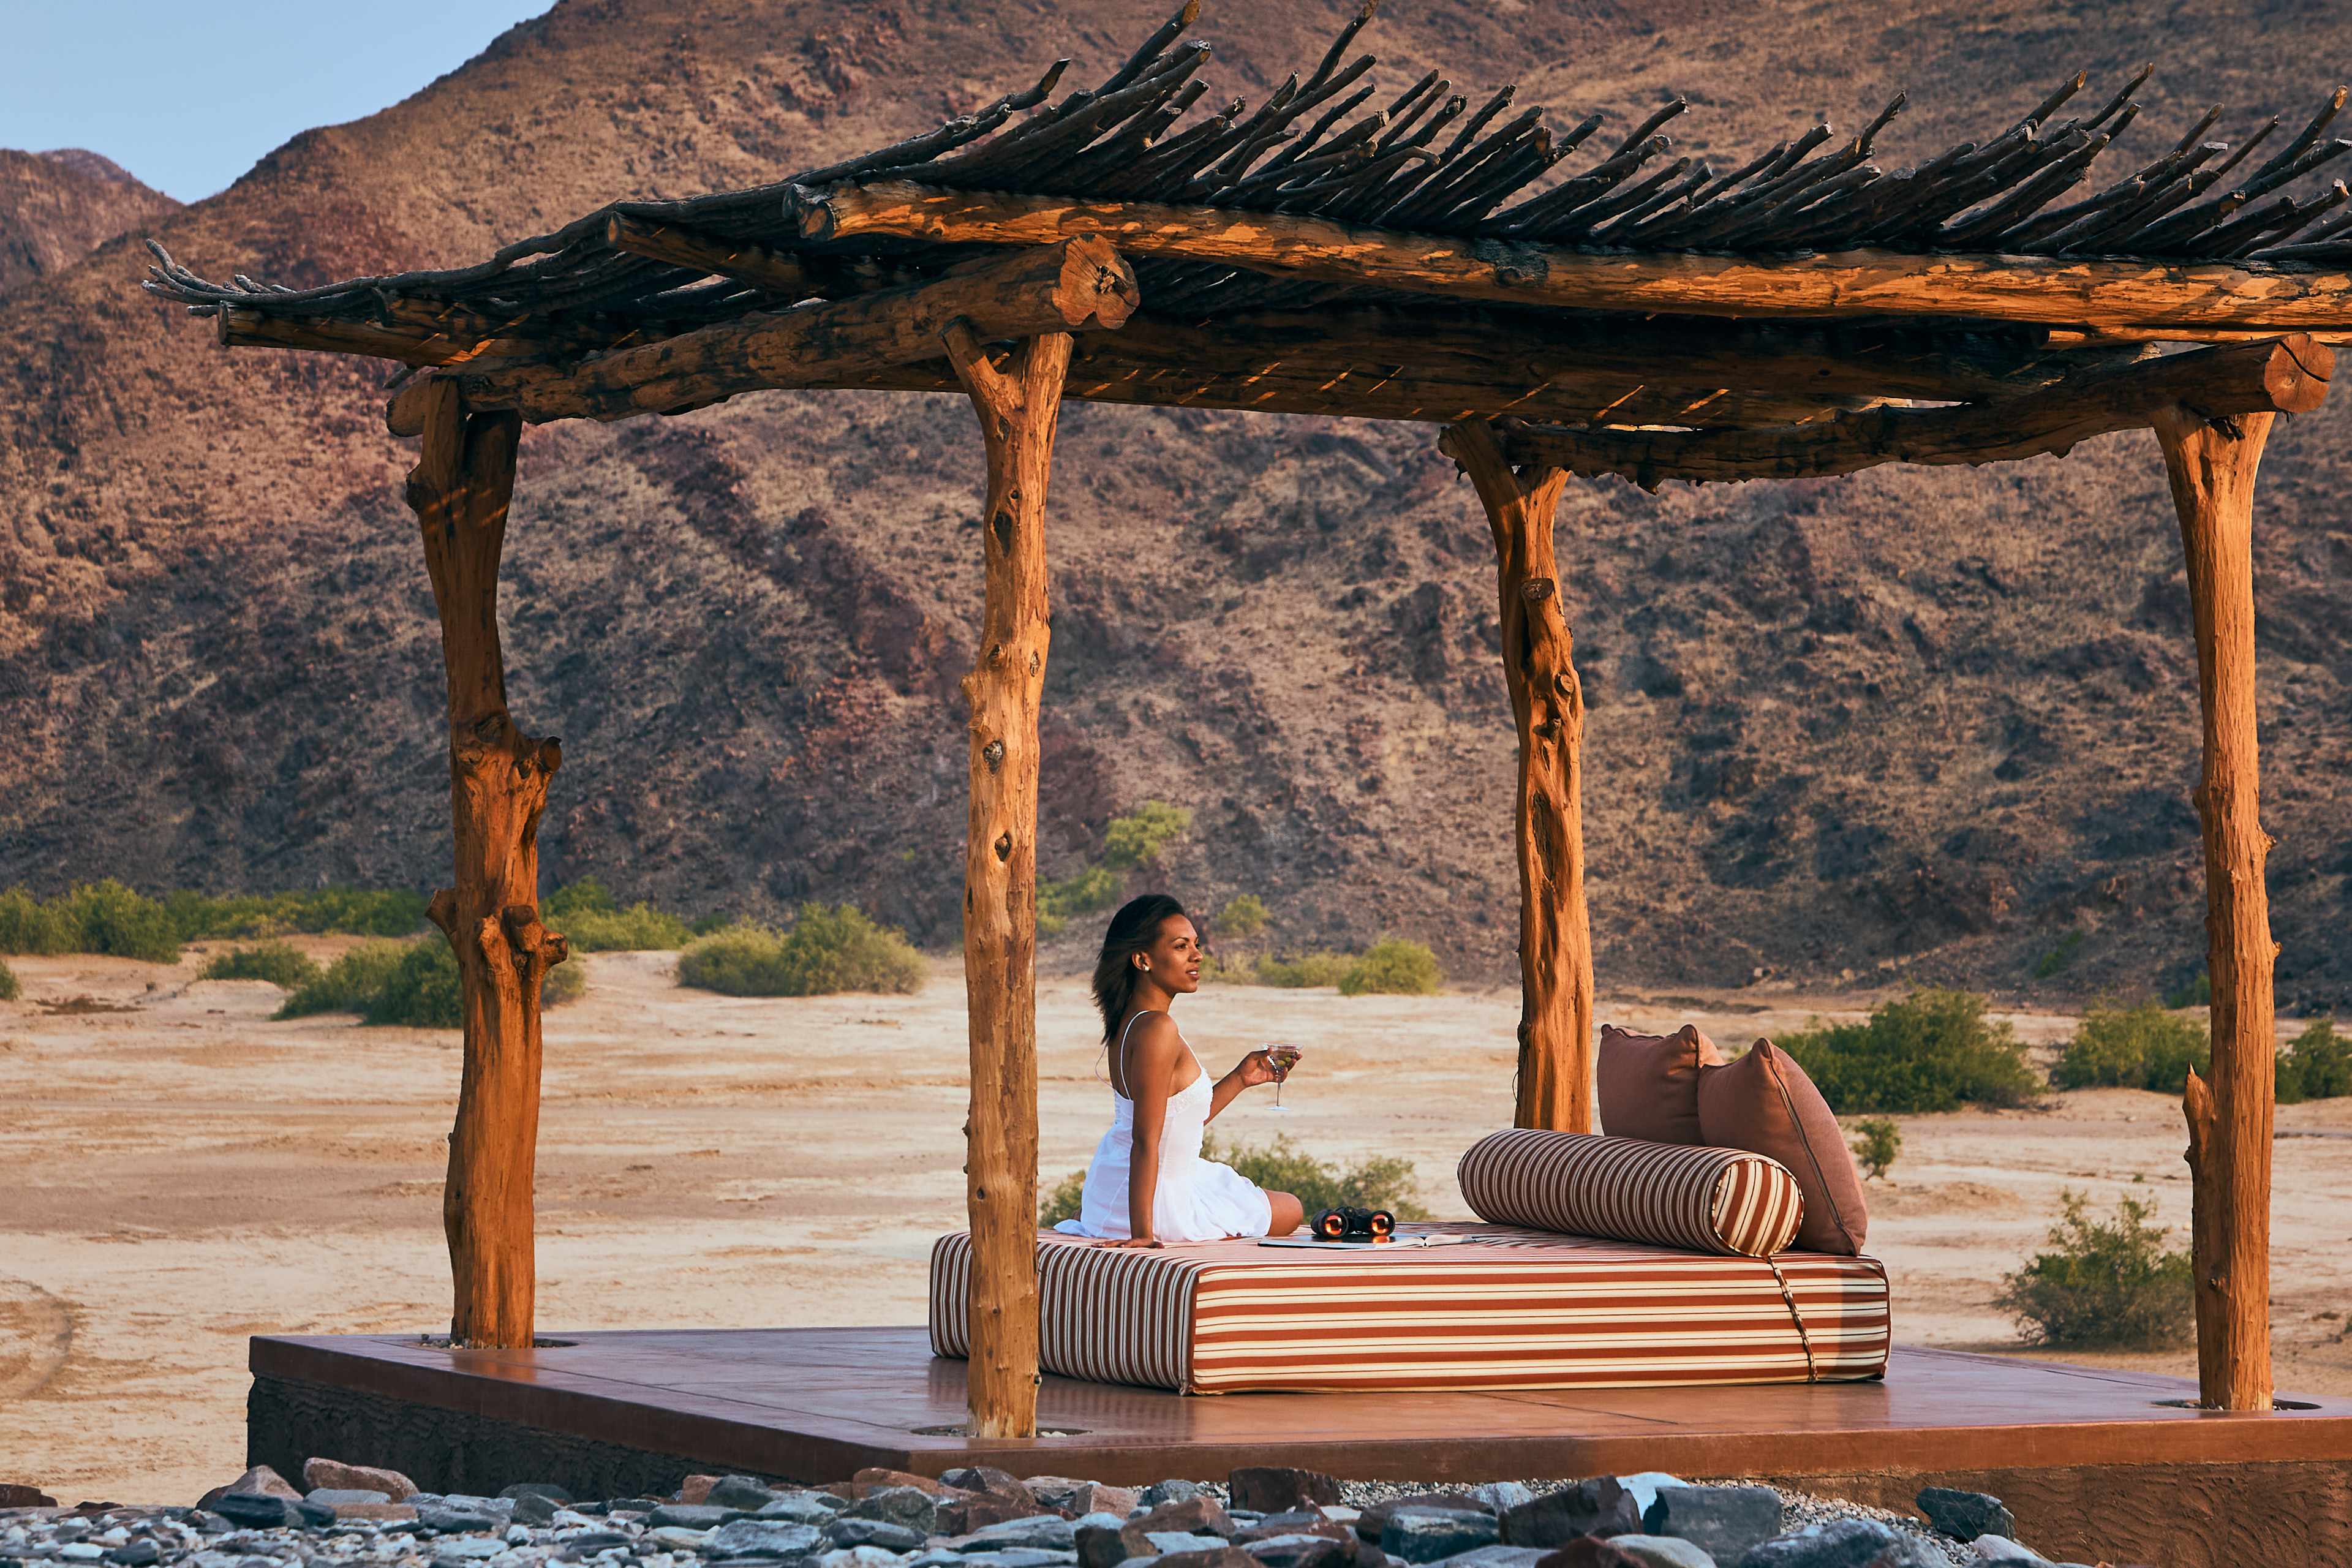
188 96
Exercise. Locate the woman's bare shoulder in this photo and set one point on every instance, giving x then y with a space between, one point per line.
1154 1032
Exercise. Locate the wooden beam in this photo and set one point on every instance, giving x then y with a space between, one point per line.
2212 464
743 260
2280 375
1070 285
1555 1076
415 332
2052 290
1018 407
498 788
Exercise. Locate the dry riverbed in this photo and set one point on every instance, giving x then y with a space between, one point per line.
178 1173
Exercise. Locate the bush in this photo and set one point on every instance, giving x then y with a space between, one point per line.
109 917
281 964
2196 991
2316 1065
589 918
1392 968
2133 1048
1308 968
1932 1050
353 911
1128 842
1876 1142
2060 956
1382 1181
2106 1284
27 926
413 983
9 987
827 950
1243 915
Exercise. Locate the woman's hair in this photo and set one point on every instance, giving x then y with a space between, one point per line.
1132 930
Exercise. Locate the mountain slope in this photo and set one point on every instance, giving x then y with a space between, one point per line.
55 208
1914 722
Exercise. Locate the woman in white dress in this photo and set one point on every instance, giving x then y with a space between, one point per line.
1147 1184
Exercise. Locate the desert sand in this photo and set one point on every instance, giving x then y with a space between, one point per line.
178 1173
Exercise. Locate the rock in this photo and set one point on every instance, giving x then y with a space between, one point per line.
140 1554
534 1508
473 1549
259 1481
1495 1557
1300 1549
340 1477
874 1475
547 1489
1644 1487
13 1494
692 1516
1964 1516
1161 1542
1663 1550
1219 1556
1017 1557
2001 1549
1199 1514
336 1497
1725 1521
1426 1534
745 1493
1589 1552
861 1557
765 1538
1037 1531
1101 1545
1073 1498
1274 1489
963 1514
1843 1543
455 1520
1501 1496
588 1543
881 1533
1296 1521
1595 1506
1370 1523
258 1510
693 1488
675 1537
990 1482
1160 1492
820 1508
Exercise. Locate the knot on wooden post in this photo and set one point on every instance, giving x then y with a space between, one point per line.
1535 589
1000 525
992 755
1004 846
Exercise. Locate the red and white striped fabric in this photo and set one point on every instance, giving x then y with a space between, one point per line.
1666 1195
1509 1308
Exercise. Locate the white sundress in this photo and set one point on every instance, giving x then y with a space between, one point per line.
1195 1200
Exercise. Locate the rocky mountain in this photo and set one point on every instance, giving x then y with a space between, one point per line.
55 208
1912 723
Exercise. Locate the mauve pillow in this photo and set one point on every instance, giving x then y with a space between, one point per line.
1648 1084
1765 1104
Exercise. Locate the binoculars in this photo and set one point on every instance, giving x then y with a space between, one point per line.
1353 1224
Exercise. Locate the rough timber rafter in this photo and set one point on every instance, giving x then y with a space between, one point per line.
2181 296
2286 375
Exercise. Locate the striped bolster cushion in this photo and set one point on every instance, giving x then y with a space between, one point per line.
1668 1195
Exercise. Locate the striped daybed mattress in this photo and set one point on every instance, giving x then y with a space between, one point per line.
1509 1308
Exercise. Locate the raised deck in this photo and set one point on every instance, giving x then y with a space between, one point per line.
2095 1463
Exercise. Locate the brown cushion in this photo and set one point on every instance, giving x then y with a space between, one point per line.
1765 1104
1724 1201
1648 1084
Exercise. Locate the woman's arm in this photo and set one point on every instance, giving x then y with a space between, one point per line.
1248 1073
1150 1068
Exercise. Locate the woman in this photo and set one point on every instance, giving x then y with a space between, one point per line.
1147 1184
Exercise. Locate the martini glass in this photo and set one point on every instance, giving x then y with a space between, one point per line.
1282 1058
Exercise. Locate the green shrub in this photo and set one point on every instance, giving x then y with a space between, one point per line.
109 917
26 925
2133 1048
1065 1202
2316 1065
353 911
2196 991
1308 968
9 987
1392 968
282 965
1380 1182
413 983
1083 892
1243 915
1876 1142
2106 1283
2060 956
1129 842
827 950
1932 1050
593 923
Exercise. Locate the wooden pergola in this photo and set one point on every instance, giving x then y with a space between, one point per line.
1560 306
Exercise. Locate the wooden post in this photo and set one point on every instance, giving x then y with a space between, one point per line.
1018 405
498 787
1555 1080
2212 464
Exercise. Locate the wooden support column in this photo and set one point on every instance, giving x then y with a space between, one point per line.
1018 405
2212 464
498 787
1555 1080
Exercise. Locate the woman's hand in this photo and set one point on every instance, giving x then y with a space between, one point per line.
1134 1241
1255 1068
